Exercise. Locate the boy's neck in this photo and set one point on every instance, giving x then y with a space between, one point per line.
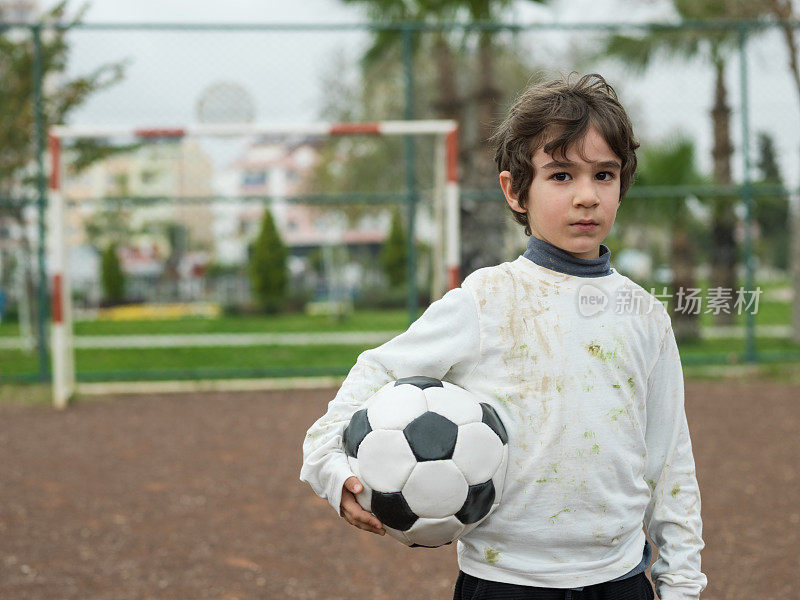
549 256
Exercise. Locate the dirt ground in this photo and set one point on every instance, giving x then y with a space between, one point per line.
197 496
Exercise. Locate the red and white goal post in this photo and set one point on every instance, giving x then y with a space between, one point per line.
447 251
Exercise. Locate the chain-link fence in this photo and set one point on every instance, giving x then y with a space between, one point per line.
706 225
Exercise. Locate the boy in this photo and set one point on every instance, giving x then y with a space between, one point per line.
581 365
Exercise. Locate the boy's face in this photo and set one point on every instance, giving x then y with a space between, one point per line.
563 194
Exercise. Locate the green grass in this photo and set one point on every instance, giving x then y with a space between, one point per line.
14 363
212 362
710 359
770 312
276 360
137 363
367 320
731 350
229 358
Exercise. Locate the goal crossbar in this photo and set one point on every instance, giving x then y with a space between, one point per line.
446 205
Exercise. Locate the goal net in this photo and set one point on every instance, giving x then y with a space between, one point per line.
167 210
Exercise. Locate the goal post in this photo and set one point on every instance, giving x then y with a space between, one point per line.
446 270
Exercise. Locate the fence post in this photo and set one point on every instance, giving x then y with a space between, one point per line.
411 174
750 354
41 203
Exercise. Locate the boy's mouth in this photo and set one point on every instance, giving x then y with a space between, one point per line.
585 224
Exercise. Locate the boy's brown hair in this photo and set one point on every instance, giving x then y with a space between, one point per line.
554 115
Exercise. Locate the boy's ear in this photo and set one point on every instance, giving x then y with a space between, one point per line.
511 197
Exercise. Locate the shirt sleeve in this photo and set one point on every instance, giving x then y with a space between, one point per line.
445 340
672 517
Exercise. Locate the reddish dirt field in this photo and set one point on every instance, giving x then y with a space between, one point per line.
197 496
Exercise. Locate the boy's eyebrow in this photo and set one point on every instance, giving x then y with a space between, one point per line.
560 164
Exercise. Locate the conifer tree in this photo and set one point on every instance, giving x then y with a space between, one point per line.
771 212
111 275
269 272
394 253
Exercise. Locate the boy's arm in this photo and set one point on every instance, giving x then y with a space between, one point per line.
446 337
673 514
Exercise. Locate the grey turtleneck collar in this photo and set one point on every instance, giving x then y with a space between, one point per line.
549 256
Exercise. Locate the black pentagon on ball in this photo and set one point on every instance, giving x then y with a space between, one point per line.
479 502
431 437
491 418
421 546
419 381
392 510
355 432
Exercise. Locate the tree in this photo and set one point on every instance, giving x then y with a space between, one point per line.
269 271
784 10
393 254
669 163
111 223
716 46
111 275
17 138
483 224
771 212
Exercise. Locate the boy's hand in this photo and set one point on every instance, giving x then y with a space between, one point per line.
353 513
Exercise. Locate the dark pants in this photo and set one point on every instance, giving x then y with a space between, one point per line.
468 587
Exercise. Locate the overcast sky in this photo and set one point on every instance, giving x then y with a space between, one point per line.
283 71
316 11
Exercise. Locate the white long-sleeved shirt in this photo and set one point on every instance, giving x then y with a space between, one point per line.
593 406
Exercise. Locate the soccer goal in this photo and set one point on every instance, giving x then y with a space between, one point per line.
445 251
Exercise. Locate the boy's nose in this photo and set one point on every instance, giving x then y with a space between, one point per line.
585 194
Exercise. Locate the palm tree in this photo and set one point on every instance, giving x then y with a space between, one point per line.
482 222
669 163
478 216
716 46
385 41
784 10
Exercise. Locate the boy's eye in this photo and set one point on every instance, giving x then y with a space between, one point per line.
561 176
605 176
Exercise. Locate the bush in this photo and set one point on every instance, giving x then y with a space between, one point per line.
384 298
297 299
269 272
112 277
393 255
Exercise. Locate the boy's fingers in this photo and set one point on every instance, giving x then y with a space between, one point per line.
360 518
357 522
365 517
368 520
354 513
353 484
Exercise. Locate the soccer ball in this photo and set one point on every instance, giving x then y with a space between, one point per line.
432 459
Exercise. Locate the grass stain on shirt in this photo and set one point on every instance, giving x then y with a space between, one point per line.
555 516
597 351
614 413
505 400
